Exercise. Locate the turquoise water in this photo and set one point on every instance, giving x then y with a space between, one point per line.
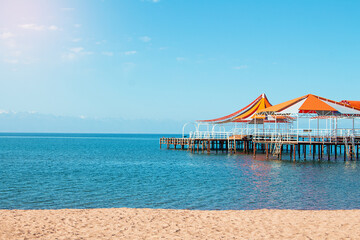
42 171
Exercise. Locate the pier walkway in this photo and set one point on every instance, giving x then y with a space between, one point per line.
300 144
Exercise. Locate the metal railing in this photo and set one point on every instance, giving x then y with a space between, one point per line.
284 134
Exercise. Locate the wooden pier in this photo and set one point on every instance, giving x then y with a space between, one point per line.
301 148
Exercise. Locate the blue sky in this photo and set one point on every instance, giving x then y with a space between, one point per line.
171 60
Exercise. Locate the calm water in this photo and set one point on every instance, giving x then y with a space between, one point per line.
42 171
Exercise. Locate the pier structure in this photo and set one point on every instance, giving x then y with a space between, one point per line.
308 127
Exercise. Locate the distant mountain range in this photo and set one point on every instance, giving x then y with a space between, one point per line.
37 122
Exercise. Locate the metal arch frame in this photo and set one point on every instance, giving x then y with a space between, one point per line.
193 123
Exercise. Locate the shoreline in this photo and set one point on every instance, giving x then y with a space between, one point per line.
145 223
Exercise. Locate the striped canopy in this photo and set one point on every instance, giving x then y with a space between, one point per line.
351 103
245 114
312 104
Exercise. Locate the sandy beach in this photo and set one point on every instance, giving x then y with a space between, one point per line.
124 223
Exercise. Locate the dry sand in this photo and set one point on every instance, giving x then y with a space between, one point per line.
124 223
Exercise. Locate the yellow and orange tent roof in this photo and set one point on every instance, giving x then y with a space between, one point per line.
245 114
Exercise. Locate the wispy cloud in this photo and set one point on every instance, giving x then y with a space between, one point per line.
68 56
76 40
31 26
77 25
241 67
163 48
11 61
3 111
180 59
53 28
36 27
100 42
145 39
75 52
130 52
109 54
6 35
76 49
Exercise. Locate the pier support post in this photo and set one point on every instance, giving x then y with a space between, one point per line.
314 151
254 150
294 151
267 150
335 151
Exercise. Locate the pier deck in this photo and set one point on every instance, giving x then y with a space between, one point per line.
299 147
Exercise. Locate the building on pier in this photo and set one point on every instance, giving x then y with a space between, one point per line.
309 120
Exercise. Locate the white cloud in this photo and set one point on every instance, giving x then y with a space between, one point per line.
87 53
110 54
130 52
76 40
145 39
36 27
6 35
163 48
74 53
31 26
100 42
76 49
3 111
180 59
16 53
53 28
240 67
68 56
11 61
77 25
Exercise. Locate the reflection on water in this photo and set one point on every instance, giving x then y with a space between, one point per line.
100 171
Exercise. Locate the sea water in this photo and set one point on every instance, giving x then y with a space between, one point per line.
52 171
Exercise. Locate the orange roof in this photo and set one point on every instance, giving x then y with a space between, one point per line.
281 106
313 104
355 104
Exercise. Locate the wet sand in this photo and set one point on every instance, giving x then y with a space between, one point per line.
125 223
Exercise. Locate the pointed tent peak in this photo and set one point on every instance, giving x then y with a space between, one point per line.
230 117
250 113
282 106
313 104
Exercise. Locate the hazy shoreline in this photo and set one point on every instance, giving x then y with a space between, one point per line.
126 223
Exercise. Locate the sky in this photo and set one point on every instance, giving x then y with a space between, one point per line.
103 63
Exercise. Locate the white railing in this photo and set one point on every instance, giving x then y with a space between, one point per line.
221 134
285 134
209 135
309 134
